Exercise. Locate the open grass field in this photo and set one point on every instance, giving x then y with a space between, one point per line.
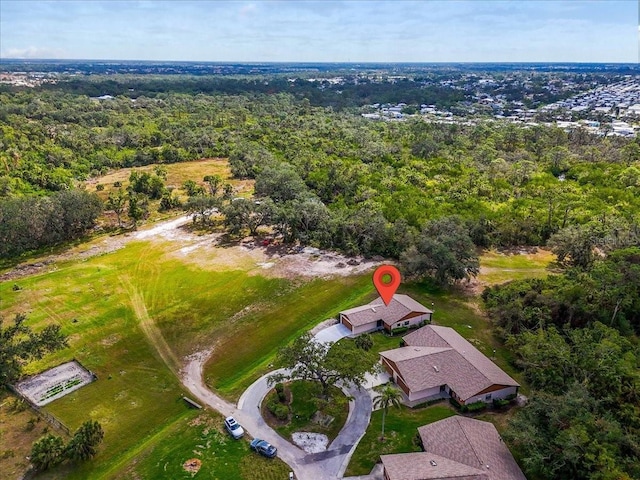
248 351
131 317
177 174
19 428
401 428
499 267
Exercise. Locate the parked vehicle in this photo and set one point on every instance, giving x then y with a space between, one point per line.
263 448
233 427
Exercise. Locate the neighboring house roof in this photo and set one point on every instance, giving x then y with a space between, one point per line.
418 466
471 442
439 355
399 307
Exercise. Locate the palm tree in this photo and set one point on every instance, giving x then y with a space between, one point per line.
85 441
387 396
47 452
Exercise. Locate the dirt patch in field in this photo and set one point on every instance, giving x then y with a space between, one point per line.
192 466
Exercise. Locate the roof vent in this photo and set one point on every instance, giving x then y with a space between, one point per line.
373 309
436 368
487 466
433 462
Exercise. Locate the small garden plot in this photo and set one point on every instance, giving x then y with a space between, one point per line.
54 383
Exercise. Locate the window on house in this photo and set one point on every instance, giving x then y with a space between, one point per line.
407 322
488 397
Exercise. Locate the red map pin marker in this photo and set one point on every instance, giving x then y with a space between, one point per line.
386 279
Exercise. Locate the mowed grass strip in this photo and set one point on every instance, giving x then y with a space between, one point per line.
499 267
241 357
401 428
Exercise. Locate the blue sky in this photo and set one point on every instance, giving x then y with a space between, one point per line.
322 31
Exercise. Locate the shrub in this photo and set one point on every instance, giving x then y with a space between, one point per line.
282 396
364 342
417 441
31 424
117 184
99 187
280 411
399 331
499 402
476 406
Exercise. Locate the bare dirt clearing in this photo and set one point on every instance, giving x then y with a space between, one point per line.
205 251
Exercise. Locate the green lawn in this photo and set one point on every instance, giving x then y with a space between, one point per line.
401 426
115 306
135 394
305 402
201 436
249 348
499 267
134 314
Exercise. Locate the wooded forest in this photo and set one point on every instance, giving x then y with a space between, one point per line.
575 338
337 180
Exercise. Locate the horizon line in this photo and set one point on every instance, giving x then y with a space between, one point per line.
307 62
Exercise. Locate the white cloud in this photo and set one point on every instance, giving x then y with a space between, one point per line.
33 52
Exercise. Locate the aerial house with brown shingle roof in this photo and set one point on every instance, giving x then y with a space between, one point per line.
402 311
456 448
437 362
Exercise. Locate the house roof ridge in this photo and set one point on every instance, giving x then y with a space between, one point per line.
464 432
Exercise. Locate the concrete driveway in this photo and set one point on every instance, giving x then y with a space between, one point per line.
332 334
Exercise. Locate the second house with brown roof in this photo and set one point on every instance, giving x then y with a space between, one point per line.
437 362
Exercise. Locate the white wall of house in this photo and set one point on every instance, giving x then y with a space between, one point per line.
411 322
422 394
499 394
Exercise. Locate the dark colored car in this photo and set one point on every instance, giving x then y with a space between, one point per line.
263 448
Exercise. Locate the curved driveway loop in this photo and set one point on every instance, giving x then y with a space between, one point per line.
327 465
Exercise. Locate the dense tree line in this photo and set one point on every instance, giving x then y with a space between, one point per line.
30 223
575 338
609 292
335 179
